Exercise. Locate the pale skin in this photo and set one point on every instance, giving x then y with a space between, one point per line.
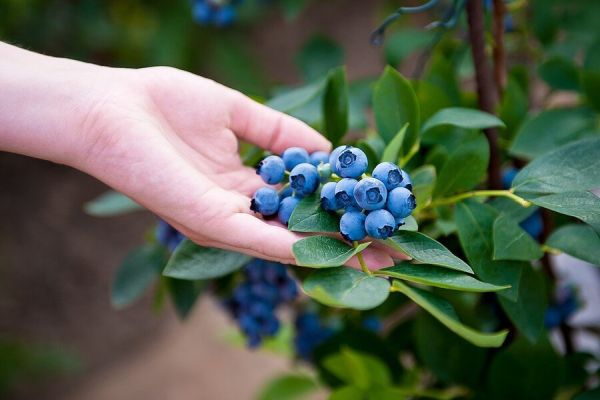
164 137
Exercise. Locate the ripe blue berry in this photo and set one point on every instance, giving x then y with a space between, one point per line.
304 179
294 156
310 333
168 236
406 181
225 15
344 193
370 194
389 174
202 12
399 222
319 157
286 191
334 156
352 225
351 163
328 201
265 201
286 207
380 224
401 202
271 170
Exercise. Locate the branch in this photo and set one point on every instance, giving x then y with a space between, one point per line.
486 91
499 52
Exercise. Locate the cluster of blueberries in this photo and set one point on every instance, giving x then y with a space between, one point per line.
565 304
310 333
375 206
254 302
219 13
168 236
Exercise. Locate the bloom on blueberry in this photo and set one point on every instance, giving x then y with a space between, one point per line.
401 202
352 225
265 201
380 224
370 194
406 181
334 156
389 174
328 201
351 163
294 156
319 157
344 193
271 170
304 179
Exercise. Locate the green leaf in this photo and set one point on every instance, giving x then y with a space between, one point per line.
511 242
591 75
288 387
445 313
347 393
192 262
137 272
392 150
573 167
475 222
401 44
431 275
290 100
324 251
361 370
308 216
514 106
184 295
410 224
577 240
582 205
525 372
465 168
467 118
560 73
318 55
347 288
551 129
335 106
426 250
111 204
527 312
423 179
394 105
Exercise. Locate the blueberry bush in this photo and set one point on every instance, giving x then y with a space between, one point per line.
473 165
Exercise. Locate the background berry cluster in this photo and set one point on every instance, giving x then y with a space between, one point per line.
219 13
373 205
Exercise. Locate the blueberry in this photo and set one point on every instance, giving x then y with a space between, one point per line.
344 193
286 208
380 224
533 224
304 179
271 170
202 13
334 156
399 222
324 172
265 201
401 202
168 236
508 175
294 156
328 201
351 163
225 15
319 157
389 174
352 226
370 194
373 324
406 181
286 191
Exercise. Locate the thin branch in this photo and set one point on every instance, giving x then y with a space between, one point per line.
499 51
486 91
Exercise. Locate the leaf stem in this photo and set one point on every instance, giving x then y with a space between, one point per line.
361 260
480 193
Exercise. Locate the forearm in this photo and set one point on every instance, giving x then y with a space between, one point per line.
43 101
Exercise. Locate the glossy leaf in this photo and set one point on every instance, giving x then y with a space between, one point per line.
551 129
324 251
582 205
335 106
431 275
410 224
394 105
358 369
443 311
467 118
577 240
465 168
346 288
392 150
308 216
475 223
511 242
111 204
192 262
573 167
423 179
426 250
289 387
137 272
184 294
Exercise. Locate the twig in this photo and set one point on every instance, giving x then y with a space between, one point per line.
486 91
499 52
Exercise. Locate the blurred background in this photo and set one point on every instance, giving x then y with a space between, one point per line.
59 335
